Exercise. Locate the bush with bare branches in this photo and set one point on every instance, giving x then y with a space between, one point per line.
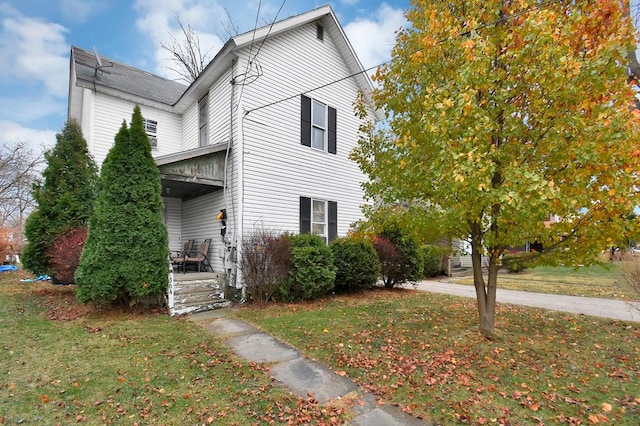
265 263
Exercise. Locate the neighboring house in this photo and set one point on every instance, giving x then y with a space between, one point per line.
264 133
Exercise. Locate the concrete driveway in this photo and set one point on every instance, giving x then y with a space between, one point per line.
605 308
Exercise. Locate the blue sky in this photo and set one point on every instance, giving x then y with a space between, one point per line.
36 36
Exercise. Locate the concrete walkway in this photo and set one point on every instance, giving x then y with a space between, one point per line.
605 308
301 375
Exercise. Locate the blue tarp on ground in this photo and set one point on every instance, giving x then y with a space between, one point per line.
7 268
40 278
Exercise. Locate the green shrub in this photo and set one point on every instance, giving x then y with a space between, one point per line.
64 197
125 258
514 262
399 257
357 265
312 272
431 260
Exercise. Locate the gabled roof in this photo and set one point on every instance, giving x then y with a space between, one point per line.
142 84
121 77
223 59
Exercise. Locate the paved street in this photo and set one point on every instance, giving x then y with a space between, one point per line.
606 308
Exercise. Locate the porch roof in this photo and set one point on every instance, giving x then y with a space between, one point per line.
192 173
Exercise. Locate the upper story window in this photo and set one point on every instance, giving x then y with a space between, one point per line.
203 120
151 127
318 125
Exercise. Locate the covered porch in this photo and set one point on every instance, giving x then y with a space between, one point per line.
193 194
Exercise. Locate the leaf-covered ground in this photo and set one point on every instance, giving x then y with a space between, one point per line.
64 363
423 352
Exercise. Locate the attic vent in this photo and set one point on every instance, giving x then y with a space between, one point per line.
320 31
151 127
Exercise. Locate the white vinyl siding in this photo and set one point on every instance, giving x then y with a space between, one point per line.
277 168
109 114
173 222
199 223
219 116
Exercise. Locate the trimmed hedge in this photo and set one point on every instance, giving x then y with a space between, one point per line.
357 265
312 272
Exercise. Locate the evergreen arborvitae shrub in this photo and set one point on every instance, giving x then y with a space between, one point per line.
399 257
357 265
312 272
125 257
64 198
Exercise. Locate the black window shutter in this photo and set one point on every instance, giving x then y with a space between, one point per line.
305 215
333 220
332 148
305 120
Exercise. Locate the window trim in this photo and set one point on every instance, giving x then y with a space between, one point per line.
307 126
330 215
203 125
324 223
151 129
317 126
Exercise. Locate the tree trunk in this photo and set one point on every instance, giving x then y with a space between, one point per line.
485 291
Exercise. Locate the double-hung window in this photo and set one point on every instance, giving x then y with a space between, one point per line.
319 217
151 128
203 114
318 125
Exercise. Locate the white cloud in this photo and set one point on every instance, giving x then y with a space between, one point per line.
37 140
35 51
82 10
374 37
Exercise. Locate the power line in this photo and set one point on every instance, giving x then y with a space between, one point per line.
269 32
253 37
463 34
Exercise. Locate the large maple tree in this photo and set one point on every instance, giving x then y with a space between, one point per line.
502 113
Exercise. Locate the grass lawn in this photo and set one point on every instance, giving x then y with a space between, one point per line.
422 351
592 281
63 363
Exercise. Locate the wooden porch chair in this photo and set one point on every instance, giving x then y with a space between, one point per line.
199 257
177 257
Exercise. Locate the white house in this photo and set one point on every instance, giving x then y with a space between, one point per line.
264 133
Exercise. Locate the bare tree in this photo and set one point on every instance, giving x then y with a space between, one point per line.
187 54
19 170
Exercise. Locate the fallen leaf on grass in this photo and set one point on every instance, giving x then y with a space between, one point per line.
606 407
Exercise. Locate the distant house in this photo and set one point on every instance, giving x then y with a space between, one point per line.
264 132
